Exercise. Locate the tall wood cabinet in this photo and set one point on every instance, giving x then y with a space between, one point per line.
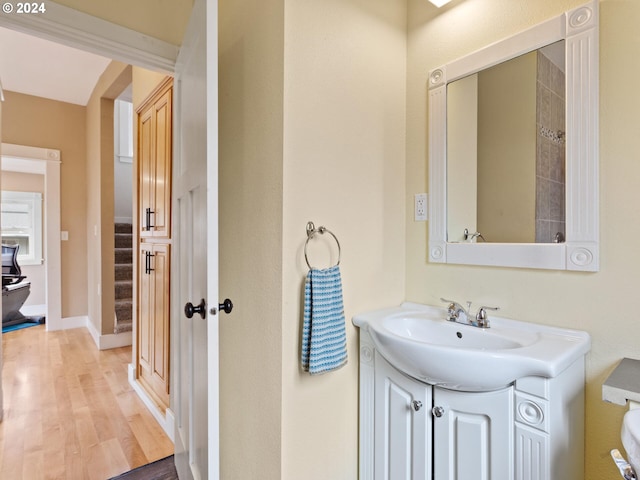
154 228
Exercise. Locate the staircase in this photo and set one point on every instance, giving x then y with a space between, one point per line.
123 277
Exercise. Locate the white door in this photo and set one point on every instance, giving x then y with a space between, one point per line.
473 435
195 259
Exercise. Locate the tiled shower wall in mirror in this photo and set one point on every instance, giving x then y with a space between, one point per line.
550 151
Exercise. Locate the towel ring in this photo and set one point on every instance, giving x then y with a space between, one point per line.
311 231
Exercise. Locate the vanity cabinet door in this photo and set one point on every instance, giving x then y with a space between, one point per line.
402 434
473 435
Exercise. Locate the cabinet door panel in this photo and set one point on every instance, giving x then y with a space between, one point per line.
145 313
532 454
402 438
154 163
474 435
145 170
160 265
153 321
162 167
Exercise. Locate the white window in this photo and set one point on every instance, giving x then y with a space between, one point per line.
22 224
123 130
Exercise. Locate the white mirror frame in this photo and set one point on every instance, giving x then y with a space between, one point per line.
579 29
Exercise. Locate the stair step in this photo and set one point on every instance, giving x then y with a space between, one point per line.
123 243
124 271
124 289
123 255
123 326
124 310
124 316
123 228
123 240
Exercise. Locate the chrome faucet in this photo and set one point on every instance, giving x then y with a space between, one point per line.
457 313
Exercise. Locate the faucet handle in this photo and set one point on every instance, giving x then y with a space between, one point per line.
452 312
484 307
452 303
482 318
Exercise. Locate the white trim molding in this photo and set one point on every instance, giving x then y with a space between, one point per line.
579 29
68 323
108 341
86 32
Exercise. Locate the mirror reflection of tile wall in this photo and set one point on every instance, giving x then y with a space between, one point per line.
550 152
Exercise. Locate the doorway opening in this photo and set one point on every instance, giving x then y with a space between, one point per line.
43 167
123 205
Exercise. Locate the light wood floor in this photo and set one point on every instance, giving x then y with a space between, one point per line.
69 412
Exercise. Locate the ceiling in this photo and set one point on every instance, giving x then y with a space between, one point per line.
46 69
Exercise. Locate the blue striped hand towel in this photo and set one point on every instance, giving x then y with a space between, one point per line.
324 340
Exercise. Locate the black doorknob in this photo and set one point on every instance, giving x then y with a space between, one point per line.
190 309
226 306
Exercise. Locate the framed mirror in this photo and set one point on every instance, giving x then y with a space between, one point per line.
513 150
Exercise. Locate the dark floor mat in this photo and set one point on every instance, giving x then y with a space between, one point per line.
159 470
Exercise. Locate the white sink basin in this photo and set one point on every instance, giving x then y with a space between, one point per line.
419 341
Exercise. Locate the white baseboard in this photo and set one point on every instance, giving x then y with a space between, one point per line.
166 421
103 342
114 340
34 310
108 341
66 323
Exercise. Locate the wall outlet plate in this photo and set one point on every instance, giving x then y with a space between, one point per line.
420 207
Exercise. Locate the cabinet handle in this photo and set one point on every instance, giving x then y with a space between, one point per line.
148 213
437 411
149 269
416 405
147 262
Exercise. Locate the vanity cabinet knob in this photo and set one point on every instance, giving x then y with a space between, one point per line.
416 405
437 411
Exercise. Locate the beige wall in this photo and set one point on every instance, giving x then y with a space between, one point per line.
99 200
251 63
312 115
344 162
165 20
144 82
23 182
30 182
39 122
567 299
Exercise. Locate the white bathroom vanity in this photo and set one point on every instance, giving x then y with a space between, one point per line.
416 424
